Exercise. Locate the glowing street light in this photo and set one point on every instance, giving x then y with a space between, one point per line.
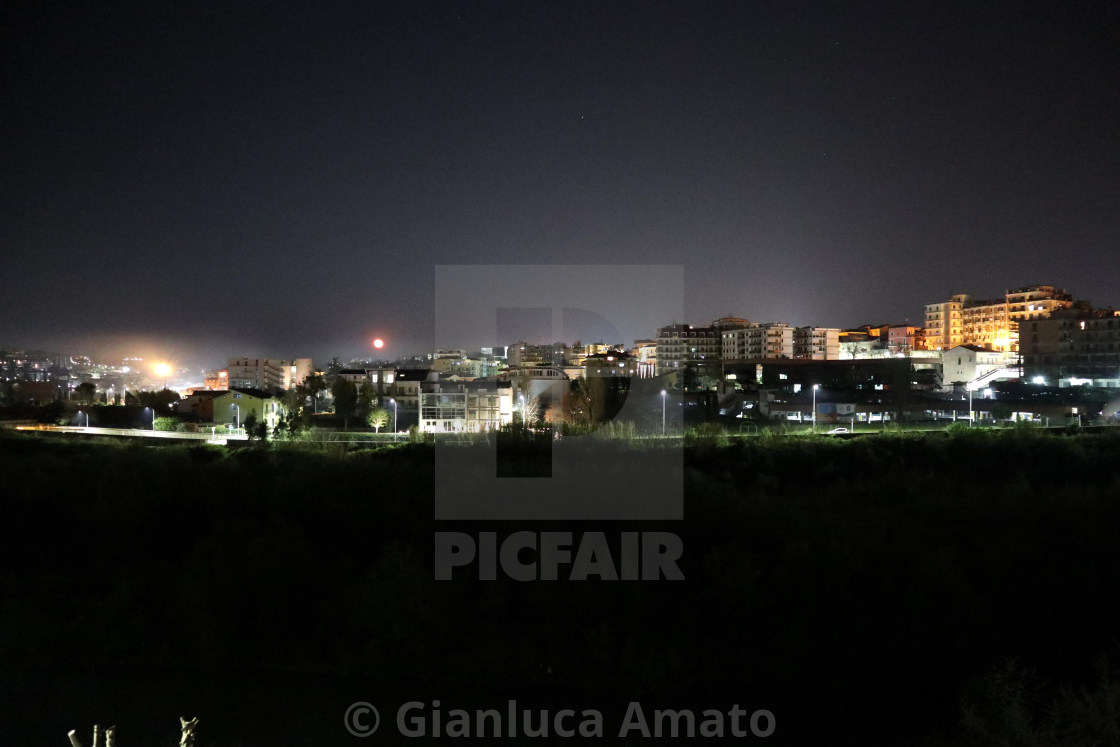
163 370
153 409
815 388
87 417
663 393
394 403
238 421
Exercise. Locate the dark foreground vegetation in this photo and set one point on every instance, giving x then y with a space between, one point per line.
951 589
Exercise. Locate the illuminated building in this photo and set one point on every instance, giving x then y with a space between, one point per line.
770 340
465 407
610 363
975 366
679 345
816 343
991 324
268 374
267 408
645 351
216 380
902 338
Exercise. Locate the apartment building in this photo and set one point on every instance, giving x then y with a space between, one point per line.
989 323
770 340
682 344
1072 347
816 343
267 374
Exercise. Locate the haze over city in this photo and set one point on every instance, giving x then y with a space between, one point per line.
206 181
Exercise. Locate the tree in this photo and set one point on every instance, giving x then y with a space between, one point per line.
530 410
367 395
161 400
577 406
900 373
256 428
85 393
345 398
377 418
311 387
928 379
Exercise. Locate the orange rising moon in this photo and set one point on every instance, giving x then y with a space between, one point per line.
379 343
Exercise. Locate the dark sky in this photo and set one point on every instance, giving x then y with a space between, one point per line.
214 179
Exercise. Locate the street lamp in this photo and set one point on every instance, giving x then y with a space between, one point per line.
969 406
238 422
393 402
521 399
153 409
815 388
663 412
87 417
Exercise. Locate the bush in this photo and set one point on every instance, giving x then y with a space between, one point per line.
706 435
167 424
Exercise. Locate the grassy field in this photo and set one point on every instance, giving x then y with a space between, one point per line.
889 589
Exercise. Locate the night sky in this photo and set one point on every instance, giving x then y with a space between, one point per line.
200 180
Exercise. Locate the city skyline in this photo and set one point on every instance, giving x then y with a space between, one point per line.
580 326
284 180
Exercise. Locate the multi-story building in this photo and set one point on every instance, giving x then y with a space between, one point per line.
398 390
903 338
986 324
992 324
816 343
527 354
1072 347
235 406
679 345
770 340
613 363
1036 302
776 340
356 376
580 350
465 407
216 380
267 374
944 327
